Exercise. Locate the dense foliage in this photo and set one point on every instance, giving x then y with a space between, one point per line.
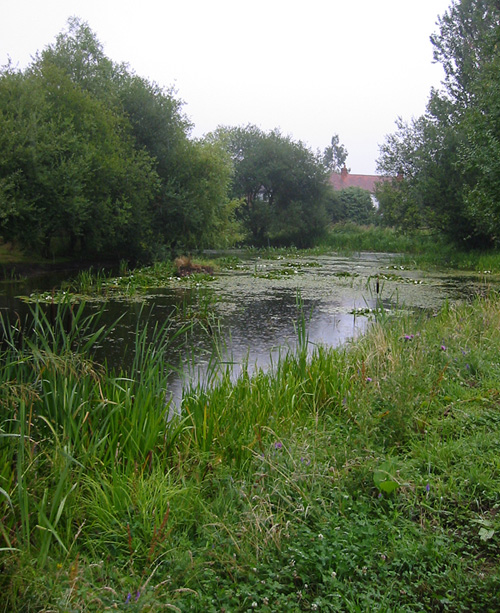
96 160
447 160
282 184
352 204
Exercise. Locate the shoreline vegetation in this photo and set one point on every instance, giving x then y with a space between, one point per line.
363 478
98 282
422 248
360 478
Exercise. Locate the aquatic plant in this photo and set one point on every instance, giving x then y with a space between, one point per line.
90 286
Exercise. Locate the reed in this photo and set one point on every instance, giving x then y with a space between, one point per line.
349 238
361 478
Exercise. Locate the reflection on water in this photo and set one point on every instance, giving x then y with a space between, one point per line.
257 308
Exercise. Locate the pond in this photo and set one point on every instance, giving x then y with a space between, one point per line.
254 307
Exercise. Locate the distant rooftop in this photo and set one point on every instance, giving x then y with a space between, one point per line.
345 179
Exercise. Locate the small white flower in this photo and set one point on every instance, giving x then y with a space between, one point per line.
254 604
314 607
320 536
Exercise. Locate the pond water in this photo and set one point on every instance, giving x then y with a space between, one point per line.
256 305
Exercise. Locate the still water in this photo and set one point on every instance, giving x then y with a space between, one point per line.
253 309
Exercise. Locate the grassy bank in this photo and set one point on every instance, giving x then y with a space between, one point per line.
421 249
352 237
363 479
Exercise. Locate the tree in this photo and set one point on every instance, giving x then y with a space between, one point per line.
448 156
199 212
465 42
78 53
68 167
480 156
351 204
335 155
427 187
97 159
283 185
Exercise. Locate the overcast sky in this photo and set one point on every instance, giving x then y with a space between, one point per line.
312 69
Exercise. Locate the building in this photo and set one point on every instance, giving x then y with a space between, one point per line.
345 179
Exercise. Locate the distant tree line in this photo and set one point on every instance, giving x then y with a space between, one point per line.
449 158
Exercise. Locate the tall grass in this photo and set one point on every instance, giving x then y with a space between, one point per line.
361 478
421 248
63 416
350 237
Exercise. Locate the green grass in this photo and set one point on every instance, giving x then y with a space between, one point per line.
421 249
365 478
448 257
351 237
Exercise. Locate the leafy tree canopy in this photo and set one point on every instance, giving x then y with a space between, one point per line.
449 156
281 182
70 175
96 159
351 204
335 155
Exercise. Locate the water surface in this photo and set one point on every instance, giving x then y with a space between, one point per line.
254 308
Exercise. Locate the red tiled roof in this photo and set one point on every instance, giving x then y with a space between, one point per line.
344 179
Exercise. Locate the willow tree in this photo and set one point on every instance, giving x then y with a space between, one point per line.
97 159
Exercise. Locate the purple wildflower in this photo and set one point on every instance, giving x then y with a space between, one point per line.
428 488
129 598
369 379
278 445
443 347
408 337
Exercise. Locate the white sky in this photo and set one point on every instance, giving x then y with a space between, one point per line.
312 69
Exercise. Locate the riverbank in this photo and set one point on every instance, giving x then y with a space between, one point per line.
418 249
365 478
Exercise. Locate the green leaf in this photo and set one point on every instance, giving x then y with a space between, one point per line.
485 534
384 478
